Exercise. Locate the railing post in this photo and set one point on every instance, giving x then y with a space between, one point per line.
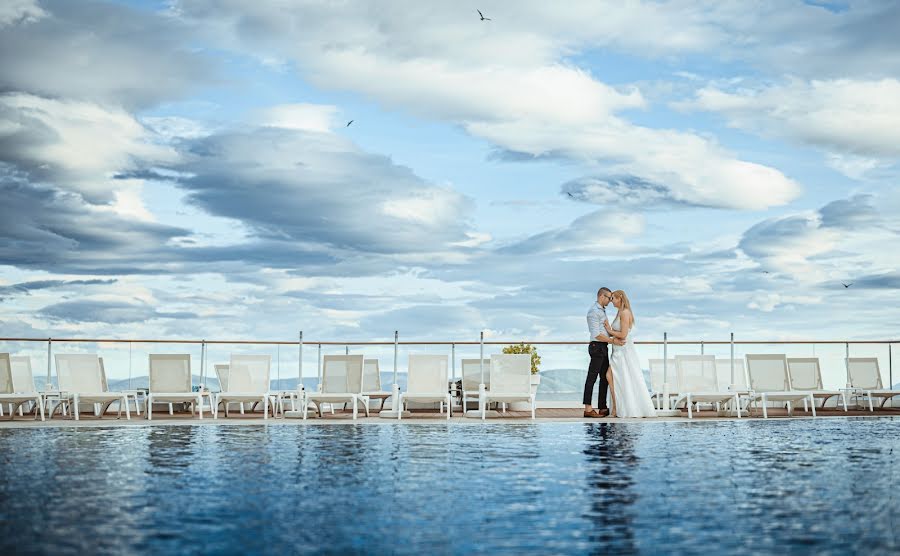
278 366
319 367
49 385
300 362
203 364
702 348
453 362
665 371
395 388
847 361
346 350
733 385
482 390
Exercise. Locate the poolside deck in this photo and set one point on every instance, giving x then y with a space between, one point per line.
545 415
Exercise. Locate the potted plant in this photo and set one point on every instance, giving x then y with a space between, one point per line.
524 348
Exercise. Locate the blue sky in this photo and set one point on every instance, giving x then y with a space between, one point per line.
181 168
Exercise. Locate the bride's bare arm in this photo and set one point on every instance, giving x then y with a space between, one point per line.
626 319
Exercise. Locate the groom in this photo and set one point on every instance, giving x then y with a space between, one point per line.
599 352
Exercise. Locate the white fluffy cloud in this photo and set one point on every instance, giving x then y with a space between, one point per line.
508 80
77 145
850 117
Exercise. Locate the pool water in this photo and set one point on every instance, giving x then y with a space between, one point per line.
801 486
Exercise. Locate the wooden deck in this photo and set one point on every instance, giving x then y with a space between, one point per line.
419 416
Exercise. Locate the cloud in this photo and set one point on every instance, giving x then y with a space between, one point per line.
20 12
845 116
886 281
856 212
832 243
593 234
318 189
43 227
108 312
24 288
626 191
75 145
525 98
97 52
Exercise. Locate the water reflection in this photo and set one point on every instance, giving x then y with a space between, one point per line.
611 461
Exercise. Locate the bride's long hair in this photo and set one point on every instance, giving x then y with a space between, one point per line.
623 302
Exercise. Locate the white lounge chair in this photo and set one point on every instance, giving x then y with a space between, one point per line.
657 380
426 381
170 381
248 382
471 378
8 393
371 382
81 380
336 384
23 380
865 375
770 381
698 383
806 376
510 381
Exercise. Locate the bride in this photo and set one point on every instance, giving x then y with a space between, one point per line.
630 397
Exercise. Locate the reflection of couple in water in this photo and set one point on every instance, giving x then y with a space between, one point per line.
620 370
609 451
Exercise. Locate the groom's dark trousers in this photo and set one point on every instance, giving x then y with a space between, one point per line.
599 353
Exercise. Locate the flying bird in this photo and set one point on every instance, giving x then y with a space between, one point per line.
847 285
481 15
348 123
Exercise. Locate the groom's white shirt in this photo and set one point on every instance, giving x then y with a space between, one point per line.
595 317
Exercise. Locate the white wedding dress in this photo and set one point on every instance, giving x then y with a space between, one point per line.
632 396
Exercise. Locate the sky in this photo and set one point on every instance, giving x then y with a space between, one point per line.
186 169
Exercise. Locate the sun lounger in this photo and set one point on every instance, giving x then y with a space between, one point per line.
770 381
427 382
248 382
806 376
81 380
9 393
865 376
336 384
698 382
510 381
170 381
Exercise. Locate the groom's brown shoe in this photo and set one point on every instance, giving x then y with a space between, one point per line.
591 413
604 412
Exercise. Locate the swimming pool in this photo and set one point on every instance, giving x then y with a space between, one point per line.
820 486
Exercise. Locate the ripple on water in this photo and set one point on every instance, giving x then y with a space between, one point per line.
823 486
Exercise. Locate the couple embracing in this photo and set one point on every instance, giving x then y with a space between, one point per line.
614 361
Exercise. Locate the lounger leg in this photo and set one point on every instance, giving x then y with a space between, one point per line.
765 405
355 408
812 404
40 407
790 408
805 406
448 407
399 405
149 411
737 405
533 408
265 407
242 408
844 399
871 409
689 404
75 410
200 405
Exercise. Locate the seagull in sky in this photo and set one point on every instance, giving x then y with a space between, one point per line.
481 15
847 285
348 123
